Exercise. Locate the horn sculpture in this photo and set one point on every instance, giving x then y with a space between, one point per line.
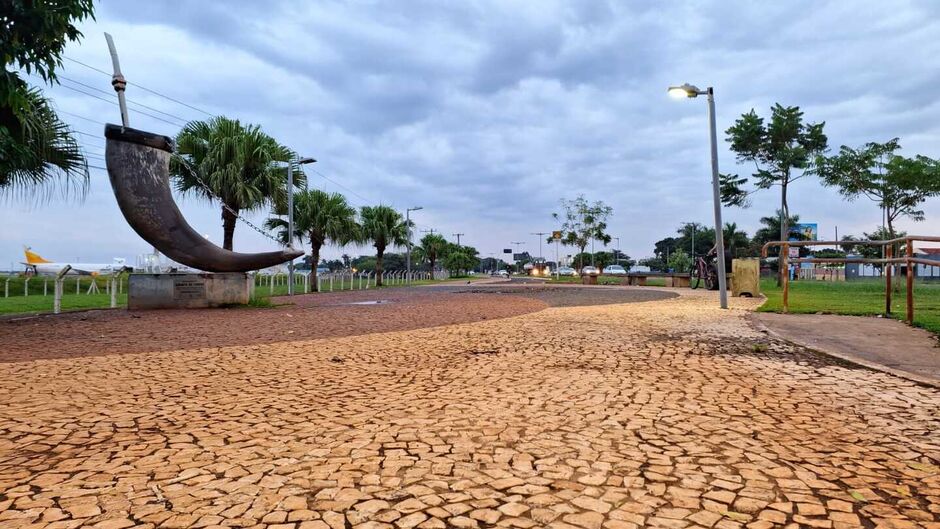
139 168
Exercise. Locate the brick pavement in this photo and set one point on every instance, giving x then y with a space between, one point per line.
663 414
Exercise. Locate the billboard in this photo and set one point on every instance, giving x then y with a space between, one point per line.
803 232
507 250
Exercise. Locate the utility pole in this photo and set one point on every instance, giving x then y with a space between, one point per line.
617 258
408 252
540 234
517 244
458 237
431 231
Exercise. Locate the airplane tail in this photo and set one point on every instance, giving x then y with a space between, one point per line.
33 258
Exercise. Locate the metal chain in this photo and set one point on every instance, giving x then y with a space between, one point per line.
232 211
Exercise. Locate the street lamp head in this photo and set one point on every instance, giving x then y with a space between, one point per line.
416 208
684 90
304 161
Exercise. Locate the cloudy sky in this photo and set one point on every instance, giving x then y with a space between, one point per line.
488 113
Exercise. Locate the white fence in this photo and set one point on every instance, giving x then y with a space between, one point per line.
341 280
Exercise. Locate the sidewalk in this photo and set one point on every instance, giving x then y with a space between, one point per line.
879 343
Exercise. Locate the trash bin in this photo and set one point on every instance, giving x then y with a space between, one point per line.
589 279
745 277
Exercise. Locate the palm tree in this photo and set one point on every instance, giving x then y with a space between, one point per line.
432 247
384 227
734 237
770 230
239 165
320 218
39 151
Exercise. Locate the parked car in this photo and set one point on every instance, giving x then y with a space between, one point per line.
614 270
502 273
590 271
567 271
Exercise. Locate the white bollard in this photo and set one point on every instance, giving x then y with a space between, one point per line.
45 287
26 287
271 285
78 282
6 288
331 282
113 292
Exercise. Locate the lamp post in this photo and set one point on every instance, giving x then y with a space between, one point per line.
290 220
693 225
617 257
408 248
690 91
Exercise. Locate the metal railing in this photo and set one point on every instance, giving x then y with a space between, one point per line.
889 262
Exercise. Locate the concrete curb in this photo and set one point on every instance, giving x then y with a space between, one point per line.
852 359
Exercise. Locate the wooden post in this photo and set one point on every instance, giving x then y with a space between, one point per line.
784 275
910 281
113 291
57 295
889 253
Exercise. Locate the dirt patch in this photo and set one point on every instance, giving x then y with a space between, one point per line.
312 316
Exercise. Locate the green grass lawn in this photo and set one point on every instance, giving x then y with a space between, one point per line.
33 304
14 301
862 298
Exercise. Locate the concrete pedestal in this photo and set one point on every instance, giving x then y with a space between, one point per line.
187 291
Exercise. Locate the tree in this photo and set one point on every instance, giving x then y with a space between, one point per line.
384 227
38 149
320 218
221 159
735 239
770 231
880 233
653 263
461 259
782 152
432 247
897 184
603 259
40 155
679 262
583 221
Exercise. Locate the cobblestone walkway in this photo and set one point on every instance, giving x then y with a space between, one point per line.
663 414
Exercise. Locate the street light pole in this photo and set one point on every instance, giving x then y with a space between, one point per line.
290 219
540 234
617 258
690 91
408 248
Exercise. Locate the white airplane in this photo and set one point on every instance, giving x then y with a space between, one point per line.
37 265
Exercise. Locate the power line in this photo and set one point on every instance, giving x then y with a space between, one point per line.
340 185
107 93
80 117
115 103
144 88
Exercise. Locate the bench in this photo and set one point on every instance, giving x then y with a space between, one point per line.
671 279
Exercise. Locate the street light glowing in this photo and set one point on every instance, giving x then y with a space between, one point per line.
685 90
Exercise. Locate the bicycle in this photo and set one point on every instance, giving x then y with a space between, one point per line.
703 270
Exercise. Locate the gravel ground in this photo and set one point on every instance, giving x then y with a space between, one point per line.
665 414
